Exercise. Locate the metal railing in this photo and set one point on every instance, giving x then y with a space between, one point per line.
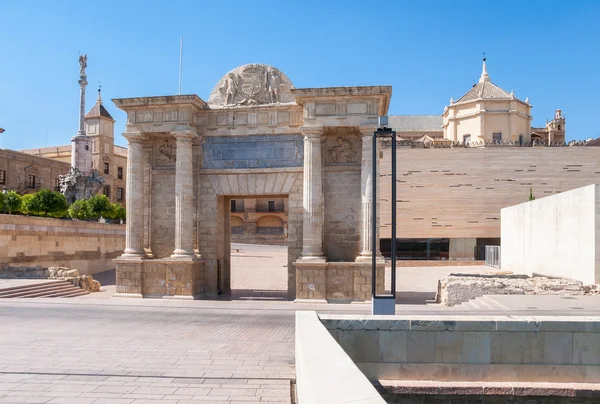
492 256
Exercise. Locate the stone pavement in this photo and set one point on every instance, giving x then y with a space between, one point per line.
97 349
65 352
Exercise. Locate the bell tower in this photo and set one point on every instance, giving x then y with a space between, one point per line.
556 128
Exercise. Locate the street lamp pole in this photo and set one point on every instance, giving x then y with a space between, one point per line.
383 303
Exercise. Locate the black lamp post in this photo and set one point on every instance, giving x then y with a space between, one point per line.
383 303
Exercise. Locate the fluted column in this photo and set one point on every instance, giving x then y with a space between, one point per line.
184 195
312 226
134 238
366 189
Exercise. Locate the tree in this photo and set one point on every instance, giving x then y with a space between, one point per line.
2 206
531 197
98 205
45 203
79 210
120 212
12 202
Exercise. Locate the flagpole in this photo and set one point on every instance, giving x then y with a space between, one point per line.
180 62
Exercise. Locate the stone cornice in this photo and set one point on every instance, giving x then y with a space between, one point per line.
384 93
159 101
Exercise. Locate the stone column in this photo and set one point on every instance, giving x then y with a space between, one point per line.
366 186
312 245
184 197
134 238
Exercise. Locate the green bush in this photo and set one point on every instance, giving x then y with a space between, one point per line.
98 205
45 203
120 212
2 208
12 202
79 210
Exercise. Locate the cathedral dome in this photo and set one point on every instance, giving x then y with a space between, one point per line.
251 85
485 90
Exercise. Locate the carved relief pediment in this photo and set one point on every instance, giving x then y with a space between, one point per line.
250 85
165 151
342 150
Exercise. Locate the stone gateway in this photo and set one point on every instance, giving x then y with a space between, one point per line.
256 137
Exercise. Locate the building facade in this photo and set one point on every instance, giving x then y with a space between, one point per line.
24 173
259 220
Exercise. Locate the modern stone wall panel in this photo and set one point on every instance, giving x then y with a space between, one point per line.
458 192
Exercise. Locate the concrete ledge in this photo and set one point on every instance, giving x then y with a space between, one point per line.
324 372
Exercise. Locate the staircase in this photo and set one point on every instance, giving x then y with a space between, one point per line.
486 302
54 288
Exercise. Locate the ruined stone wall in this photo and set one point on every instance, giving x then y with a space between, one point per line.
89 247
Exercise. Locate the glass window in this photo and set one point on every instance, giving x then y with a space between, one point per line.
119 194
56 184
106 168
271 206
2 177
497 137
31 181
233 205
107 190
120 173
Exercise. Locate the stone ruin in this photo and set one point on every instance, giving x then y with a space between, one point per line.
459 288
85 282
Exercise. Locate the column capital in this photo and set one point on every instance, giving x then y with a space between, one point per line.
367 130
312 132
134 137
184 133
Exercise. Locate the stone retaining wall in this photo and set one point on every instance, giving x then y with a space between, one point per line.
88 246
469 349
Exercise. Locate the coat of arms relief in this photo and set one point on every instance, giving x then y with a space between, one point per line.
251 85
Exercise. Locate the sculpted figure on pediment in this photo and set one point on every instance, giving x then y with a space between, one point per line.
250 85
166 153
342 152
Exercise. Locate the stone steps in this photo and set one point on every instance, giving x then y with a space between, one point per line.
58 288
486 302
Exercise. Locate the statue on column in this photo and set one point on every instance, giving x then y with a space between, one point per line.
82 64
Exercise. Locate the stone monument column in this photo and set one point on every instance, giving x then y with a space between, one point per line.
312 243
366 186
184 195
134 238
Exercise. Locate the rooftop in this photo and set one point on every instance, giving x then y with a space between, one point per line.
416 123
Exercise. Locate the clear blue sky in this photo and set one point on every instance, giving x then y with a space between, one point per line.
428 51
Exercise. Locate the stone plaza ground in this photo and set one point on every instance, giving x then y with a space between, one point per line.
239 349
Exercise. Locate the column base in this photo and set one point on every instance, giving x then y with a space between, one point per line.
310 301
312 258
136 255
368 258
183 255
383 307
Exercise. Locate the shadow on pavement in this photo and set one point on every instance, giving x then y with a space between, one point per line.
106 278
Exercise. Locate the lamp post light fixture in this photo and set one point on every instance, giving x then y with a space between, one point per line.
383 303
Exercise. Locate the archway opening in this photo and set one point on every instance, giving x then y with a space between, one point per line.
258 262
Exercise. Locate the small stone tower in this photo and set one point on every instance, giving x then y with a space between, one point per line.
556 128
81 144
99 125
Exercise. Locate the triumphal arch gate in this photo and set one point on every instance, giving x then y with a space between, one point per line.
257 136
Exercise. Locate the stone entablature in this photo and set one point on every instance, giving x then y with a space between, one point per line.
257 136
